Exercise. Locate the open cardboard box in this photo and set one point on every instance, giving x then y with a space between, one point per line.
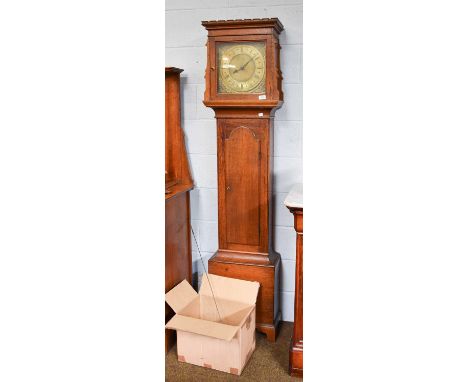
217 333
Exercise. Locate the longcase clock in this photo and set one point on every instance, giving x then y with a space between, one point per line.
243 87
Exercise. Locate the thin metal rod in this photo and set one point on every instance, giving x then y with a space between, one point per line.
207 276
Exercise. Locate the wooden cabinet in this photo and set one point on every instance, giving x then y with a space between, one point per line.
243 87
178 185
294 203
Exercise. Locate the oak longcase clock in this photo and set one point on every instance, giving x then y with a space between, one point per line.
243 87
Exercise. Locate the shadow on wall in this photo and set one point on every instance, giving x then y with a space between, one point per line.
199 266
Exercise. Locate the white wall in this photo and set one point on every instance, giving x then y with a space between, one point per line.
185 48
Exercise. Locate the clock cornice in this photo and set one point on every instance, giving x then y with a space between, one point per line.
244 23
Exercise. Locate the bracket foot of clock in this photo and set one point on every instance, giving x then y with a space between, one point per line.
263 268
271 331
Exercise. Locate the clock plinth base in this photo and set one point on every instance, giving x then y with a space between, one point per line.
263 268
295 358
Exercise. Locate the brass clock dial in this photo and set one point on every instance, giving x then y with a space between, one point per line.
241 67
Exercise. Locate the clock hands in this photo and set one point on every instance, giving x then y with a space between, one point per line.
243 66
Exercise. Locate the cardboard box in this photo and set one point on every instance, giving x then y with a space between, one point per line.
223 341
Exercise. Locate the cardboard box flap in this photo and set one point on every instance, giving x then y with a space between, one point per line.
230 289
180 296
203 327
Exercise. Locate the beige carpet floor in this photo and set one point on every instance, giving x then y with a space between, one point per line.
269 362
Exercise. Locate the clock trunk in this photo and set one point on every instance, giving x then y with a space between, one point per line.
243 148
